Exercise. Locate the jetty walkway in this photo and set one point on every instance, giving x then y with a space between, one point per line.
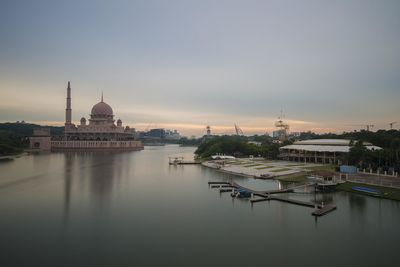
320 208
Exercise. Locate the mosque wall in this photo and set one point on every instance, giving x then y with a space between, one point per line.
96 145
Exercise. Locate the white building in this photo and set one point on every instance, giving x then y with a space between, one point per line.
319 150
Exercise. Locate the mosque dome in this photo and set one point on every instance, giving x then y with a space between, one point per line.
102 109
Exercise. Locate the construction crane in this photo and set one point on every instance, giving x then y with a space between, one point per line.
238 130
150 126
391 124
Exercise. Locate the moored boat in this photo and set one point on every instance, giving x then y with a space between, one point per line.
367 190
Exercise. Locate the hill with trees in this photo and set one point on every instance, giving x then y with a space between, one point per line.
238 146
14 136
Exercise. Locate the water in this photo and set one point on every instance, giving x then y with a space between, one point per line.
133 209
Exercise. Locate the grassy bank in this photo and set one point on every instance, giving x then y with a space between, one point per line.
298 177
387 192
326 167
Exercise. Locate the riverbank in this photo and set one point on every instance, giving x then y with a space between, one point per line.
386 192
12 156
266 169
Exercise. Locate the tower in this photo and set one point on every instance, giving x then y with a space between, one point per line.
68 111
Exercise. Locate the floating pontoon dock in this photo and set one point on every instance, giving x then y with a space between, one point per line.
320 209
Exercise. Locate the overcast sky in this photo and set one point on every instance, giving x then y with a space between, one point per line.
187 64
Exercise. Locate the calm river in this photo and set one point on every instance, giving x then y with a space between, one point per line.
133 209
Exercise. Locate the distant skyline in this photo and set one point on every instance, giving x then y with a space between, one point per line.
329 65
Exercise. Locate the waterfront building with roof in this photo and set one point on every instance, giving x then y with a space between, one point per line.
327 151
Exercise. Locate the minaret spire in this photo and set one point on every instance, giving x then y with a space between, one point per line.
101 96
68 111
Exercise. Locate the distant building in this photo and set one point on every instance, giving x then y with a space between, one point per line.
172 135
255 143
294 134
279 134
100 133
327 151
156 133
159 135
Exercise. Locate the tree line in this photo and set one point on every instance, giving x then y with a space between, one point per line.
385 159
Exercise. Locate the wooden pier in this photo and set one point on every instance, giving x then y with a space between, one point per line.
254 192
291 201
225 190
264 193
320 209
182 161
221 186
226 183
324 210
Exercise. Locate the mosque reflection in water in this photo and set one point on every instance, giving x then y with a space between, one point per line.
92 174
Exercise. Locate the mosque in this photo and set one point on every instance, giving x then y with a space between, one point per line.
100 133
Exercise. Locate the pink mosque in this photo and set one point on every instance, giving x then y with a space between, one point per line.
101 133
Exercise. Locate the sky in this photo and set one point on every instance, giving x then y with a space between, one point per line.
331 66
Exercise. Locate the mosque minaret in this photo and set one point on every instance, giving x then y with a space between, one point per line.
68 110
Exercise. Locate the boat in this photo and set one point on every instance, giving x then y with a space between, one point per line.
241 193
265 176
367 190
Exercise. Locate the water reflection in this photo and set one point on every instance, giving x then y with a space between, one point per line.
97 172
68 168
357 203
158 208
102 178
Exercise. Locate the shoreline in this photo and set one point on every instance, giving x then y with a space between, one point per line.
387 192
226 171
263 169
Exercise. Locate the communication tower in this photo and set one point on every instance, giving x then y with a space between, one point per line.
283 128
208 128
